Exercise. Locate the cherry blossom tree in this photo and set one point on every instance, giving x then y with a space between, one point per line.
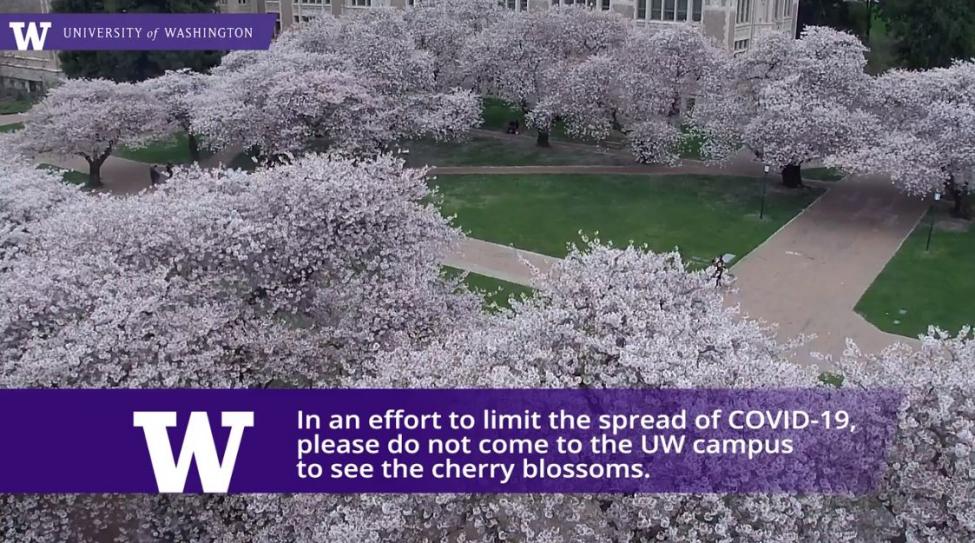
637 89
309 87
522 57
925 129
789 101
928 494
442 28
92 118
27 195
174 90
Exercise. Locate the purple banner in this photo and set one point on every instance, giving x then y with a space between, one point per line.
337 441
135 32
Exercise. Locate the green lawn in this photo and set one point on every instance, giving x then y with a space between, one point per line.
488 151
919 287
494 291
174 149
11 127
702 215
882 55
71 177
822 174
498 113
11 107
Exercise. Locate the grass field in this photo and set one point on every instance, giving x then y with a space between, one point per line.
488 151
920 287
11 127
71 177
172 150
494 291
11 107
702 215
822 174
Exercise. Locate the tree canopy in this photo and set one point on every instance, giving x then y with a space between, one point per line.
931 33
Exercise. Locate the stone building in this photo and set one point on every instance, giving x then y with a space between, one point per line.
733 24
27 72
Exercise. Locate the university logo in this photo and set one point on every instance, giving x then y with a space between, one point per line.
32 39
198 444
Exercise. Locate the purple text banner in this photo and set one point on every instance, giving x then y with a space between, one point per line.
480 441
135 32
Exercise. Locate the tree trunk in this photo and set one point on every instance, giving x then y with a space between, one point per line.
543 138
194 146
95 173
962 198
792 176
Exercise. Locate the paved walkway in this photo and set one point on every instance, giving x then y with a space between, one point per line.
499 261
119 175
12 118
809 275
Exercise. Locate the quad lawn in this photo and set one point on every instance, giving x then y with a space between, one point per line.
71 177
12 107
173 150
919 287
703 215
490 151
11 127
494 291
822 174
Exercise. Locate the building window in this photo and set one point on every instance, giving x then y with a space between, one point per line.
669 10
697 9
587 3
744 11
605 5
641 9
681 10
516 5
358 3
741 46
656 8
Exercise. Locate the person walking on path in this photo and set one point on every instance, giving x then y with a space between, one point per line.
154 175
719 269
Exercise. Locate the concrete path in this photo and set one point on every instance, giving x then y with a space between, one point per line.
499 261
12 118
119 175
809 275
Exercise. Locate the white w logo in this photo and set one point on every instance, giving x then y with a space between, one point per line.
198 443
31 40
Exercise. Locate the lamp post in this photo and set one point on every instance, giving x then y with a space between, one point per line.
761 213
937 197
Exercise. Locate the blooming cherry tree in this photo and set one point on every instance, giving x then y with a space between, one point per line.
442 28
925 128
92 118
789 101
928 493
307 87
174 90
523 56
638 89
